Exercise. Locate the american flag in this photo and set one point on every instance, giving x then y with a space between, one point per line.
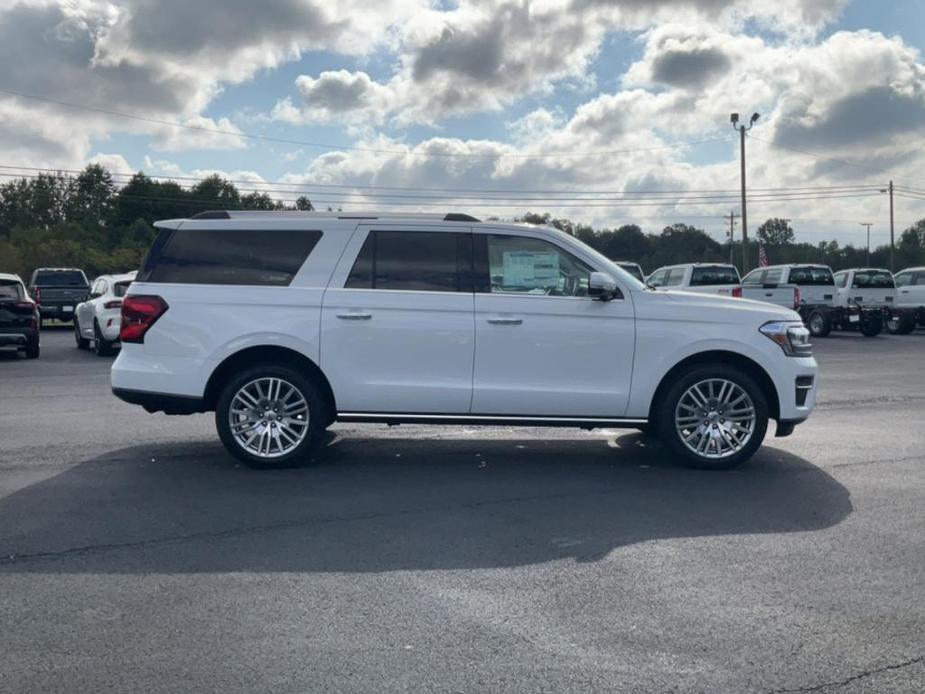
762 256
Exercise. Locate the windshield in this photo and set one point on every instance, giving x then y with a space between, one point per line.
60 278
11 290
632 269
873 279
812 276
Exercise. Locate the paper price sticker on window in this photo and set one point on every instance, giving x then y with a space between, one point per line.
530 269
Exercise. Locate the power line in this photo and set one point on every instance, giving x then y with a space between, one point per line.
320 145
554 203
486 191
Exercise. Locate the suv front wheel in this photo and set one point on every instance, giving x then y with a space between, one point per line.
713 417
270 417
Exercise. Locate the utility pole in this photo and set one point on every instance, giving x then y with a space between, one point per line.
892 240
732 227
868 225
734 119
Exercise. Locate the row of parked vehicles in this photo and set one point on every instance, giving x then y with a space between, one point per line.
864 299
62 294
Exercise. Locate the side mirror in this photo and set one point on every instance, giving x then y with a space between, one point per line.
602 286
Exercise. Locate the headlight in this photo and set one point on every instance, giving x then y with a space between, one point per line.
792 337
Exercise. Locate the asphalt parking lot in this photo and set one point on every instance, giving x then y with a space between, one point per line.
136 556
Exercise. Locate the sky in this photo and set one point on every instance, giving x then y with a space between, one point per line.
604 111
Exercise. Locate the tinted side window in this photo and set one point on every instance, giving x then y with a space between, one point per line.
228 256
702 276
421 261
119 288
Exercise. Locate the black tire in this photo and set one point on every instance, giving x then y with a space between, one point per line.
819 324
318 416
103 346
901 323
871 327
82 342
33 350
668 404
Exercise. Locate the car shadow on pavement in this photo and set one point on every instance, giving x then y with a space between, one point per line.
382 503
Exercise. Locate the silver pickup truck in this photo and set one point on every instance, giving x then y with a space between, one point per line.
812 291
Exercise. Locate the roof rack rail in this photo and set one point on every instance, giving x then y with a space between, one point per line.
212 214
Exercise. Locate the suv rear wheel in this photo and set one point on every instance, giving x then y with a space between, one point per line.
713 417
270 417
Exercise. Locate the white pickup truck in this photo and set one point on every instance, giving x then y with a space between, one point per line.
855 299
807 289
910 301
701 278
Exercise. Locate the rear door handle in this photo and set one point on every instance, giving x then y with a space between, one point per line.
355 315
505 321
769 294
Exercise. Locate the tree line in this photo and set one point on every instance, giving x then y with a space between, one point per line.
87 221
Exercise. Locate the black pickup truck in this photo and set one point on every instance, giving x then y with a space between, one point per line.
58 291
19 317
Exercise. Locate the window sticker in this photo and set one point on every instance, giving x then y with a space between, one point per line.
530 269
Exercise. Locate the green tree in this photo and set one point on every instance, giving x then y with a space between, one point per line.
91 200
303 203
776 232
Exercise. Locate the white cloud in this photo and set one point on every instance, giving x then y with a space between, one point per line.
199 133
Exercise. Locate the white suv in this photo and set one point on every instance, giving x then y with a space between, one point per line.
284 322
98 319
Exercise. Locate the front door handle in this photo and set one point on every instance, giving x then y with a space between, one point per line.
505 321
355 315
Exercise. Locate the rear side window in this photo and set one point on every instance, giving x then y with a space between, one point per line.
265 257
772 276
11 290
60 278
812 276
423 261
702 276
119 288
873 279
674 277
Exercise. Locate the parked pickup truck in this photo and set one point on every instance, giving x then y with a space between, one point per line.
700 278
807 289
910 301
865 298
58 291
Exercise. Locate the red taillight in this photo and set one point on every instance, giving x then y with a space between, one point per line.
737 292
27 304
797 298
138 314
116 303
37 295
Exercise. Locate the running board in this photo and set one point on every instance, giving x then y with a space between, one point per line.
489 420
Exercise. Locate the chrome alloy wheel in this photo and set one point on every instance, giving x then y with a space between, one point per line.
715 418
268 417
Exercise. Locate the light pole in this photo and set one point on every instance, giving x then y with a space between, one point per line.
868 225
892 233
742 129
